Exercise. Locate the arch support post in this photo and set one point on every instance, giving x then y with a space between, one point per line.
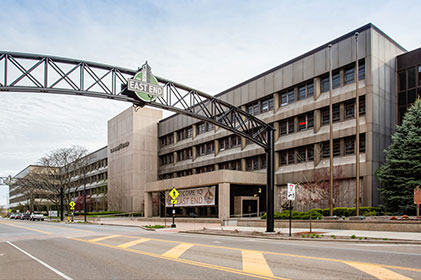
270 191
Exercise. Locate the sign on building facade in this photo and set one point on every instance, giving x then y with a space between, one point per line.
204 196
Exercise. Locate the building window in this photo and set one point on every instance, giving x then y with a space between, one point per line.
419 76
310 120
256 109
336 80
361 100
265 106
310 153
402 80
283 158
310 90
325 149
284 99
325 115
349 145
291 126
302 93
361 69
336 113
411 78
301 155
201 128
324 84
291 157
362 143
283 127
235 141
412 95
302 123
291 96
349 109
349 75
250 109
336 147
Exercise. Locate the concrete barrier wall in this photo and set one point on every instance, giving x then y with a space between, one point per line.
400 226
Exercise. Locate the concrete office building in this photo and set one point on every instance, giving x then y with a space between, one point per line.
294 98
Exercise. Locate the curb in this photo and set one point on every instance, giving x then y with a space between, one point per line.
275 237
119 225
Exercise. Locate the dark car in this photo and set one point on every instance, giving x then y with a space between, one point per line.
26 216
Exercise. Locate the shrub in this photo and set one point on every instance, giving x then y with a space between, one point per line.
353 236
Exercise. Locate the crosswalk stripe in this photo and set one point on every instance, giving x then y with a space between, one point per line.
104 237
132 243
377 271
255 262
177 251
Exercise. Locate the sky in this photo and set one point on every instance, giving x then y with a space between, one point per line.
207 45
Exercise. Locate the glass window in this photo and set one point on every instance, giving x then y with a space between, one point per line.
349 145
361 99
411 78
412 95
336 147
284 99
362 143
262 162
310 153
283 127
270 101
361 70
335 113
302 123
291 96
310 90
235 141
325 149
349 109
419 76
221 145
301 156
310 120
283 158
302 93
250 109
256 109
325 115
189 132
201 128
324 84
336 80
349 75
291 157
291 126
402 80
265 106
402 98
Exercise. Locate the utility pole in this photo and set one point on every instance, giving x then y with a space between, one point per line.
357 132
61 203
331 130
84 192
270 178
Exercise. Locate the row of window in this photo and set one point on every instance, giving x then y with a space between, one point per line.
229 142
167 140
260 106
184 133
409 78
230 165
348 76
91 167
184 154
89 180
204 127
256 163
206 148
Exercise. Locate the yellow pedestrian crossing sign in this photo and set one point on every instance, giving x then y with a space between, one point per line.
174 193
173 201
72 205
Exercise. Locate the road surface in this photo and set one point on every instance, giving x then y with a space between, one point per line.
43 250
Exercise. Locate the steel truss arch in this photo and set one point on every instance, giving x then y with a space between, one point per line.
25 72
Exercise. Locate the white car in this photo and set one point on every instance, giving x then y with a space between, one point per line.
36 216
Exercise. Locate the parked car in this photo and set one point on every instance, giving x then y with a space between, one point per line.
26 216
12 216
18 216
37 216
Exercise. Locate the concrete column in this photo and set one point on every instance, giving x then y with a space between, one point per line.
194 131
317 154
175 157
216 166
317 120
316 84
243 143
148 204
276 127
342 77
341 112
175 137
194 153
216 144
276 160
243 164
224 201
295 94
276 103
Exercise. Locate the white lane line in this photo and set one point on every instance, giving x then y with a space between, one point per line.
41 262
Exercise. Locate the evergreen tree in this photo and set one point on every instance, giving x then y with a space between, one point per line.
402 171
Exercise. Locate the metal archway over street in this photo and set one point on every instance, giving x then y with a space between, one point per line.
24 72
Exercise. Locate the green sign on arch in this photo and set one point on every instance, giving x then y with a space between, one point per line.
145 85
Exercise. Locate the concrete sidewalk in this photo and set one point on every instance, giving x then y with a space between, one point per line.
190 226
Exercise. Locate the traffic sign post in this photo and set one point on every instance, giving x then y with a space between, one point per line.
417 200
290 197
174 194
72 208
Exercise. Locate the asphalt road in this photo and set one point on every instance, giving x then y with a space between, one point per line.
42 250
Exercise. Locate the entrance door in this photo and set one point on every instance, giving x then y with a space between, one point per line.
250 208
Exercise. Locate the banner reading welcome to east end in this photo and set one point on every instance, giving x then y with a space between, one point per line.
204 196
